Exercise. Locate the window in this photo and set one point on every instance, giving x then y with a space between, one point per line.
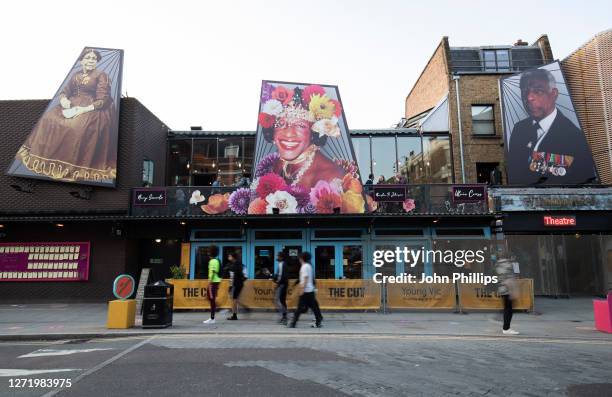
230 160
147 172
205 162
496 60
361 146
483 120
437 163
179 162
410 158
383 157
483 172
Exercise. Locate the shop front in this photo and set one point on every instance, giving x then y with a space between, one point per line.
562 237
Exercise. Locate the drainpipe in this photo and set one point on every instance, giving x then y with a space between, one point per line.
456 78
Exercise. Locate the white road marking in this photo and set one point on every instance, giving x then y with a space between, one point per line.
59 352
28 372
102 365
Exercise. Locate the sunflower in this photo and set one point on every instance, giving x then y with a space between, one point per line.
321 107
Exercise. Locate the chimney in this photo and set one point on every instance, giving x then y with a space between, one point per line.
520 42
196 128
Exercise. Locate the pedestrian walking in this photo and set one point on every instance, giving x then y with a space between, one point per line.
506 270
214 278
237 278
306 291
281 279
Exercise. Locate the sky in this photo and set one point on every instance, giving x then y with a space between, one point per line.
201 63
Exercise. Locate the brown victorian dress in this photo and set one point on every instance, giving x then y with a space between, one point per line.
82 148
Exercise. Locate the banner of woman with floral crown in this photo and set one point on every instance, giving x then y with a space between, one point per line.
304 160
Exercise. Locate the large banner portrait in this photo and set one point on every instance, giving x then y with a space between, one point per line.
304 160
75 140
544 142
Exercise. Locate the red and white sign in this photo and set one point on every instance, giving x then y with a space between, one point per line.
559 221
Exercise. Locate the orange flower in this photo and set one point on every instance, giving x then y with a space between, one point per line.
352 184
257 207
217 204
372 204
352 203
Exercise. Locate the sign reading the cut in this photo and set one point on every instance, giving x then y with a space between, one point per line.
544 141
469 194
389 193
75 139
559 221
144 197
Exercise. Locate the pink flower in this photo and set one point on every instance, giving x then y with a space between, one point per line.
270 183
408 205
282 94
324 188
257 207
310 91
337 107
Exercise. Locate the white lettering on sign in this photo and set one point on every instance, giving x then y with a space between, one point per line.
471 193
150 197
559 220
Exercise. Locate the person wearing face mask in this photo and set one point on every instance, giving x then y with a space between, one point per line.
73 140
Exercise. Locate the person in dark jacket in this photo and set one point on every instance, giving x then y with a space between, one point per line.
236 275
546 147
281 278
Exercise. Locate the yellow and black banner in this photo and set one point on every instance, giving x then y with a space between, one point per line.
421 296
191 294
479 296
348 294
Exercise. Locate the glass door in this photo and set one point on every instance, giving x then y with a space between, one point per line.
397 266
200 257
338 260
264 258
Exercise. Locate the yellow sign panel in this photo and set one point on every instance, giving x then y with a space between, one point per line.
259 294
191 294
478 296
185 256
421 296
348 294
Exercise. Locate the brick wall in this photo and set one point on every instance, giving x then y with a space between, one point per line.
108 258
588 73
475 90
432 84
140 134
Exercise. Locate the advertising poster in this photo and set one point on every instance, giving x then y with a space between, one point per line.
544 142
75 139
304 160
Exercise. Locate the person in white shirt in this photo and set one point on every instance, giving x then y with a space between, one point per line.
306 291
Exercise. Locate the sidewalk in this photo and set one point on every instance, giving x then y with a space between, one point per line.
554 318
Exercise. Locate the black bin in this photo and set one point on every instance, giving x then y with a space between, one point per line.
157 305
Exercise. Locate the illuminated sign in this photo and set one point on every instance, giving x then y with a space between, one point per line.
559 221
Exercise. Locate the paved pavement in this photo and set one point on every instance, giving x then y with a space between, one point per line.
307 365
554 318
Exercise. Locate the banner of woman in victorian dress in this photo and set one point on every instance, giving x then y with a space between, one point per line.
75 140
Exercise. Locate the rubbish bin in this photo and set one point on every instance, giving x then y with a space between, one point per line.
157 305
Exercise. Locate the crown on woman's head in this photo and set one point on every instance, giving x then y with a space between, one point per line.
283 107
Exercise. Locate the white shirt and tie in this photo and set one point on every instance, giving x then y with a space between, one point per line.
544 127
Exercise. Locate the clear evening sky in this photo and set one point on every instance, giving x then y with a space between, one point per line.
201 62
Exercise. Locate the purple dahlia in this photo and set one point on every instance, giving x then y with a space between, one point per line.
266 92
239 201
301 194
266 164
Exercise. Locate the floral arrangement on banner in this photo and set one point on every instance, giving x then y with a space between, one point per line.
298 177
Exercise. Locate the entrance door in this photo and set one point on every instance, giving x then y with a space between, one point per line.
200 257
264 258
337 260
